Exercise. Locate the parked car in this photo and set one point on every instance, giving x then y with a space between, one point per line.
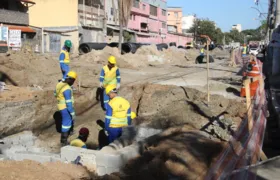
254 51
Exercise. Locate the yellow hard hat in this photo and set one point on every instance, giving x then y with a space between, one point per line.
72 74
133 115
110 89
112 60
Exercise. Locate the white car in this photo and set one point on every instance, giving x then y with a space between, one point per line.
254 51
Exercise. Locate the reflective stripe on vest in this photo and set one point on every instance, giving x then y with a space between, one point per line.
110 77
61 102
66 59
120 107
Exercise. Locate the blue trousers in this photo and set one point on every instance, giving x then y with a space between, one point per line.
66 120
64 69
106 99
114 133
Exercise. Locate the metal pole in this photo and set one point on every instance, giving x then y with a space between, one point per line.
208 88
277 13
42 40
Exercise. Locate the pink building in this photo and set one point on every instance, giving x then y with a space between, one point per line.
148 22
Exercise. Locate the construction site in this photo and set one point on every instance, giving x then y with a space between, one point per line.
178 132
135 90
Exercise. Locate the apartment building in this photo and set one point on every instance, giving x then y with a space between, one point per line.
147 22
77 20
174 19
14 16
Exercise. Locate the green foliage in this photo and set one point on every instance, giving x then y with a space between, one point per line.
207 27
127 36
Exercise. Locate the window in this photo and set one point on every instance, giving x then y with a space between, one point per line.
153 10
176 14
136 3
163 12
164 25
144 7
112 11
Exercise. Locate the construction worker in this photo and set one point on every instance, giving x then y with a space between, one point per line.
202 51
64 58
118 114
109 77
244 50
65 102
82 138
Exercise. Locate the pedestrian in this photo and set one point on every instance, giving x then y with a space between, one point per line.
65 104
244 51
118 114
82 138
64 58
109 77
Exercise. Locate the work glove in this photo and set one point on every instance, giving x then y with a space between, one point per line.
118 86
101 84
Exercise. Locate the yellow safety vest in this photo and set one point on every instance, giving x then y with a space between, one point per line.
201 50
120 107
60 88
66 59
244 50
77 143
110 76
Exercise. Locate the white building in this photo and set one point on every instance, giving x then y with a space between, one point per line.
237 27
187 22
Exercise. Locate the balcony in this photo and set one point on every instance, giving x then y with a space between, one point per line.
90 16
14 17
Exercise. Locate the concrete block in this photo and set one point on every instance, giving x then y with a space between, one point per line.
144 132
10 152
24 138
101 170
55 158
110 170
3 157
39 157
109 159
69 153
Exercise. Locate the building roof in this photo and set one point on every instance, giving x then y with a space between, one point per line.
26 29
27 1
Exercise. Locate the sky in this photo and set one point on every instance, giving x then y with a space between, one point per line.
224 12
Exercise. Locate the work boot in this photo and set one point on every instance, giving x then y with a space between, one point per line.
63 139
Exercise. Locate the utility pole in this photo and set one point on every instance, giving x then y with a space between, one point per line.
277 13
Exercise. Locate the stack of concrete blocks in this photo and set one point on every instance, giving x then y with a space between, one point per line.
114 156
22 146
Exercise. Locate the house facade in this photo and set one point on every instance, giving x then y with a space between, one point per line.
174 20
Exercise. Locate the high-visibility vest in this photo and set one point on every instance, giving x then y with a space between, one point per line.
202 50
61 102
110 77
244 50
120 107
77 143
66 59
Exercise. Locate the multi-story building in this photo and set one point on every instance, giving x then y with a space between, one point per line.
14 15
237 27
174 19
147 21
79 21
187 22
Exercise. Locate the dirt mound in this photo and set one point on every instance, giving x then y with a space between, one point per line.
48 171
29 69
178 152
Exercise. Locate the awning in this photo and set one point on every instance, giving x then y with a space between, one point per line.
118 28
25 29
27 1
143 34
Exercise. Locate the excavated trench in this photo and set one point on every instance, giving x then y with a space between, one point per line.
193 132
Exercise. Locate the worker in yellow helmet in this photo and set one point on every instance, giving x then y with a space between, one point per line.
118 114
65 103
64 58
109 76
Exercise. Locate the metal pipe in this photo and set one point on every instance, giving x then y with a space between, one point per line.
84 9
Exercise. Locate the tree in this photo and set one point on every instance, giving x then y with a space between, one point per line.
124 14
207 27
